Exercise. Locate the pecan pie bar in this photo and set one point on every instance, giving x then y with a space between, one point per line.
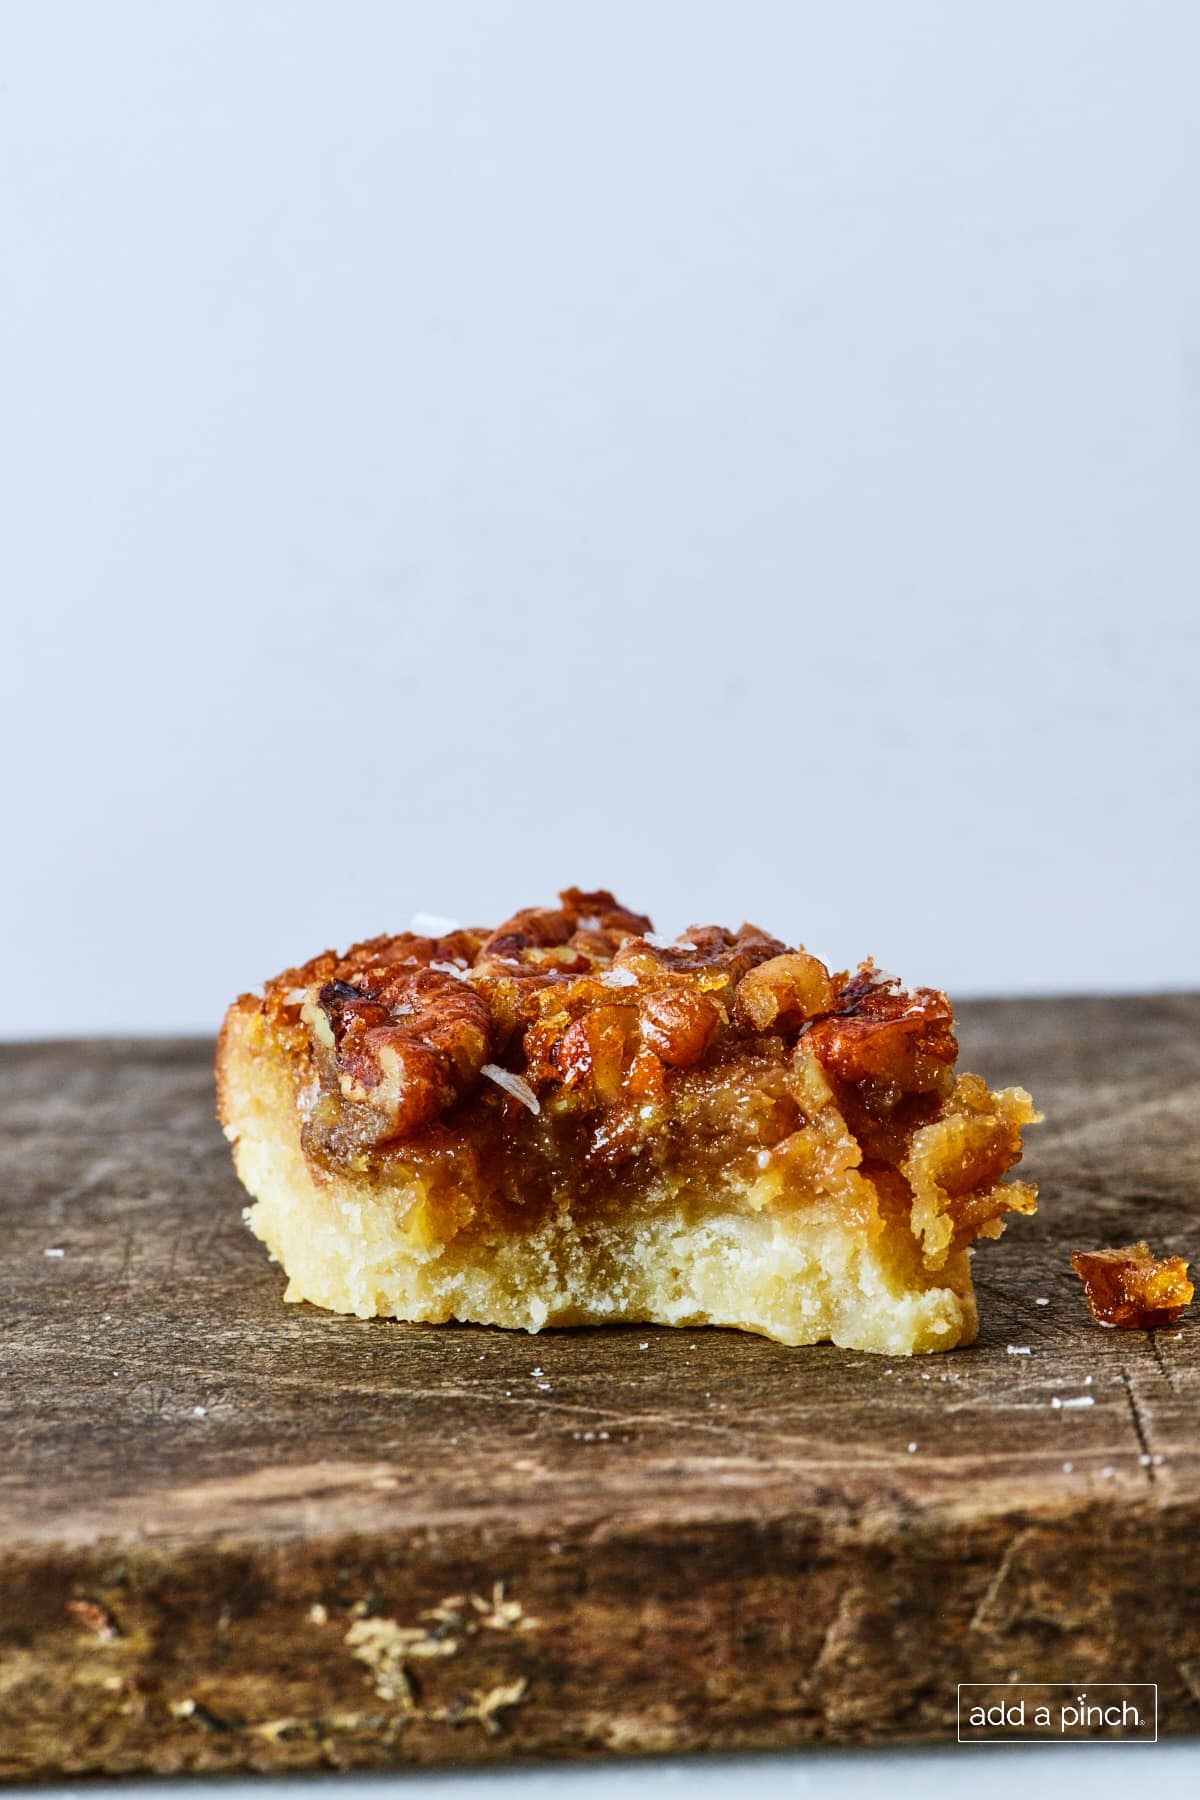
571 1120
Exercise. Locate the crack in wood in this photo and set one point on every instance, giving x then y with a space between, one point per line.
983 1606
1139 1427
1164 1367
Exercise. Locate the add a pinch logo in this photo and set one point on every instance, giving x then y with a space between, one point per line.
1057 1712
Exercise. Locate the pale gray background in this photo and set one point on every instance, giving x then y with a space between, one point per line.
745 453
1092 1772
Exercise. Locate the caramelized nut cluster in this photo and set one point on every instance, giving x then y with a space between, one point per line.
1132 1287
408 1045
591 1011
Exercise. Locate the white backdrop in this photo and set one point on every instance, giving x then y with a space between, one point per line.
745 454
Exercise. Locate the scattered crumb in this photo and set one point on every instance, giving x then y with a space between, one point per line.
644 1346
54 1253
1040 1302
1132 1287
1107 1470
1144 1459
1157 1460
1067 1467
1019 1350
1080 1400
94 1618
199 1412
911 1449
318 1614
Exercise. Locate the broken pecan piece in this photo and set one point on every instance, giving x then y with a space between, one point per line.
601 911
709 954
409 1046
786 990
898 1040
678 1024
1131 1287
592 1051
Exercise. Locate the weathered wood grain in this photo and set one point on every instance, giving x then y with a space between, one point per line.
236 1534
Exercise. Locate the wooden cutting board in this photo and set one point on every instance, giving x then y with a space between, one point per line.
239 1534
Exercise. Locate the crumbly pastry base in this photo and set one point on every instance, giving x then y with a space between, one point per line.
681 1256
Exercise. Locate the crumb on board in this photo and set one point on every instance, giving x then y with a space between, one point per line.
1130 1287
94 1618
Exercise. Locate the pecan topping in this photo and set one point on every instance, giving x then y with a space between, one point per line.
589 1007
1132 1287
902 1041
785 990
678 1025
716 957
592 1049
407 1046
600 910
